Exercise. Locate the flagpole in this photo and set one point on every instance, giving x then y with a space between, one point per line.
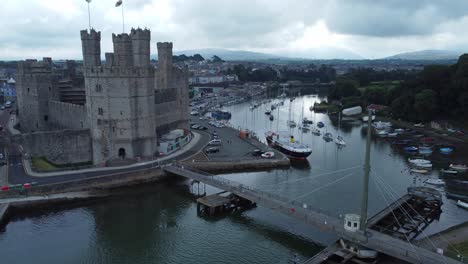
123 20
89 17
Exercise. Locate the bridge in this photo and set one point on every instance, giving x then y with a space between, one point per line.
316 218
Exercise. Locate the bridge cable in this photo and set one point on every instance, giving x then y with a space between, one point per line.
311 177
379 188
323 186
418 214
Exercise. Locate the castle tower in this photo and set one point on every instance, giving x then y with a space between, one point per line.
164 64
123 51
91 46
120 101
141 47
35 83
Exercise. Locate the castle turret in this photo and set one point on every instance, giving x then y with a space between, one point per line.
122 50
91 45
141 47
164 64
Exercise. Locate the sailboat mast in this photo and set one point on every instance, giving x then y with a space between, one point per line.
365 191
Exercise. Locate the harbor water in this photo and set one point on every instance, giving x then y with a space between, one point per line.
158 223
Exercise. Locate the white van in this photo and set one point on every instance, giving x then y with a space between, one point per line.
215 142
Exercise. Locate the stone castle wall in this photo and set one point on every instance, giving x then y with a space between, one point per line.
59 147
67 116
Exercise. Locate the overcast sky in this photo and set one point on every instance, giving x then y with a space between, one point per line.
369 28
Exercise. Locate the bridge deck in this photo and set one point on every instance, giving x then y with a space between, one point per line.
316 218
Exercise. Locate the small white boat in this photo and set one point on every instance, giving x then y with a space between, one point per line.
435 182
462 204
419 161
268 154
449 171
419 125
399 130
458 167
340 141
423 165
392 134
305 129
419 171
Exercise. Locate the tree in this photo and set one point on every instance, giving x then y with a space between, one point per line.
402 107
198 57
344 87
425 104
216 59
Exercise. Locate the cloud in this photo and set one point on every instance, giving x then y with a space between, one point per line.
37 28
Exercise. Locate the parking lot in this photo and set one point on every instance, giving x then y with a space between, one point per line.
232 147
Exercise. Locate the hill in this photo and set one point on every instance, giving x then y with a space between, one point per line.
426 55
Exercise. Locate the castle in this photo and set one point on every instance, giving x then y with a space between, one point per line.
129 103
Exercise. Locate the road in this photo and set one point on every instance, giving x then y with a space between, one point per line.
18 175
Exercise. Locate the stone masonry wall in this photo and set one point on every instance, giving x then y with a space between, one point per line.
59 147
67 116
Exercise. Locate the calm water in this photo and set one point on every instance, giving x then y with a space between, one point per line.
158 224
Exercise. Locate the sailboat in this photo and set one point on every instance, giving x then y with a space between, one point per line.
291 122
339 140
305 124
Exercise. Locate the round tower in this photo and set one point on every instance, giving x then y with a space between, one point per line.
141 47
91 45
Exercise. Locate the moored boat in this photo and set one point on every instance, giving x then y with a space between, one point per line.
320 124
423 165
449 171
288 145
419 161
315 131
435 182
340 141
458 167
328 136
410 149
445 151
419 171
462 204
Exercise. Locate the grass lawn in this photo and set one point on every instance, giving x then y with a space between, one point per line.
383 84
462 249
42 164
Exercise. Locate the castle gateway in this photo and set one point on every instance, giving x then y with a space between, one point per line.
129 102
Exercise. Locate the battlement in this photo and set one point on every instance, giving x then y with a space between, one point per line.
164 45
92 35
123 37
143 34
34 66
119 72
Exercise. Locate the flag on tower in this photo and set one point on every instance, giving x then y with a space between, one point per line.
118 3
89 1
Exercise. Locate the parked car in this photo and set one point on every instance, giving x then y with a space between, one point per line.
257 153
212 150
215 142
195 126
202 128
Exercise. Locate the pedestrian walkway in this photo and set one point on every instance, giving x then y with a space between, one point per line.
196 138
11 125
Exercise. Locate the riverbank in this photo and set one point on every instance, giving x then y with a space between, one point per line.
454 241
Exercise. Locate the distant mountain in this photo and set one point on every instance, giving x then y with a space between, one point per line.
243 55
226 54
426 55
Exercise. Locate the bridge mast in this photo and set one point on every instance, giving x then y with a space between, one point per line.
365 191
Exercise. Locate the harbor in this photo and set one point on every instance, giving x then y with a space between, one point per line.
309 180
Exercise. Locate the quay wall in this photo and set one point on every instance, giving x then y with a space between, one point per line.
4 214
89 184
238 166
59 146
